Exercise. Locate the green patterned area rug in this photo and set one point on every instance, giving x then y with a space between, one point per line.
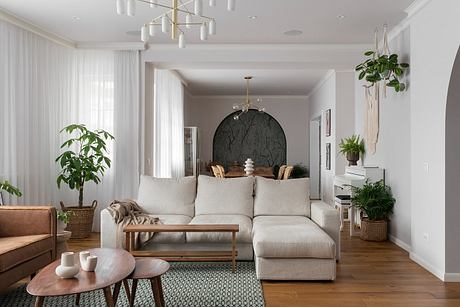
186 284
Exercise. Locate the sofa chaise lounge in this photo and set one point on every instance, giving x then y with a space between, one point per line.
288 237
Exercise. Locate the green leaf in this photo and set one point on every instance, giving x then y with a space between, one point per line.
368 53
361 75
404 65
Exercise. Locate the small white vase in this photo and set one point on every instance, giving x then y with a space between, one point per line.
61 226
88 263
68 267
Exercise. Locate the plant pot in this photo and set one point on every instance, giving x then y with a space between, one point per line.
60 226
374 230
81 222
352 158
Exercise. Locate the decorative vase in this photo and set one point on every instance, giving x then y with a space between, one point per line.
68 267
352 158
249 166
88 263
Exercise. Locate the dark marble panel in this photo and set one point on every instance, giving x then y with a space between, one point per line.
256 135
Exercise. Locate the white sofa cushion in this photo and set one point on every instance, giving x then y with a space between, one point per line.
290 237
218 196
243 236
167 196
282 197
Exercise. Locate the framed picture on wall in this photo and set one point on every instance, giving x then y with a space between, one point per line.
328 156
328 122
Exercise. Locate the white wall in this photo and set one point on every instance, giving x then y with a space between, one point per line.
435 38
393 147
207 112
335 92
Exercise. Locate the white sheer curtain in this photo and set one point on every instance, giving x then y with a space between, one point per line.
44 87
168 143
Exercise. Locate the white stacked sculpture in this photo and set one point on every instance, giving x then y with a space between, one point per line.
88 263
249 167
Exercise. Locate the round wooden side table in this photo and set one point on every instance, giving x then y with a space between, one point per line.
61 242
113 266
151 269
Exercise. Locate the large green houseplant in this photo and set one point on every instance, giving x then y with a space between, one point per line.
352 147
376 202
9 188
85 159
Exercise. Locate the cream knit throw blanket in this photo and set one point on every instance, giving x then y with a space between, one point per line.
128 212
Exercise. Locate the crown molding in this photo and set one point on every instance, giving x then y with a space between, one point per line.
416 7
28 26
294 47
111 45
300 97
321 82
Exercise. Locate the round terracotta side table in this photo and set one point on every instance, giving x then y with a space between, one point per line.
151 269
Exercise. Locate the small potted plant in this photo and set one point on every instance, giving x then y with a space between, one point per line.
9 188
352 148
85 159
63 218
376 202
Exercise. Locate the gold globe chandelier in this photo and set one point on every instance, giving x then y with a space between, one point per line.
247 105
179 15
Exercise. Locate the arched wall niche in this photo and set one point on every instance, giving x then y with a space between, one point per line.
256 135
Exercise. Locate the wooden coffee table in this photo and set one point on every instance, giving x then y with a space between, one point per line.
184 255
113 266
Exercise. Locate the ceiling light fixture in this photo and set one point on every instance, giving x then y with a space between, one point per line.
293 33
76 18
245 106
341 16
254 17
181 13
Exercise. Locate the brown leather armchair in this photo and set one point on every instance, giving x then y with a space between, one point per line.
27 241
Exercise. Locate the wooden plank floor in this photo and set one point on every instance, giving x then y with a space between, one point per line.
369 274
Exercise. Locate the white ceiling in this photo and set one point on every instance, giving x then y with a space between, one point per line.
98 21
265 82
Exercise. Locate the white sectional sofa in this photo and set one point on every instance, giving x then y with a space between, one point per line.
288 237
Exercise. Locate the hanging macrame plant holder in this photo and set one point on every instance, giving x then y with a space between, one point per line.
372 97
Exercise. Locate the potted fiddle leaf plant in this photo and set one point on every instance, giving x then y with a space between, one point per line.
352 148
376 202
85 159
9 188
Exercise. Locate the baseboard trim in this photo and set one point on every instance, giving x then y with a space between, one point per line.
427 266
452 277
400 243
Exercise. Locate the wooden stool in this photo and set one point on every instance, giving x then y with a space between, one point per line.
151 269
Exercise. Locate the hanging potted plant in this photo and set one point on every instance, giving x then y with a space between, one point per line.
86 159
376 202
352 148
9 188
382 65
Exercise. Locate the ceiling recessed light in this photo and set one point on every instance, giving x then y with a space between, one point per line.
76 18
252 17
341 16
293 33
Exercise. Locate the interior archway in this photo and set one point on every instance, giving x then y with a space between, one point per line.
452 209
256 135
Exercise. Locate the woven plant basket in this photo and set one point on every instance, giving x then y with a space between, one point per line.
81 221
374 230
